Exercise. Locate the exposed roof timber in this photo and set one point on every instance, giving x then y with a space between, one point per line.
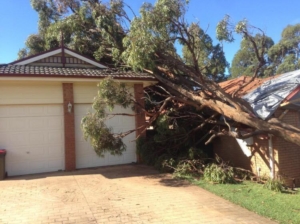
290 102
293 93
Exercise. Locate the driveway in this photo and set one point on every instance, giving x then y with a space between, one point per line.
119 194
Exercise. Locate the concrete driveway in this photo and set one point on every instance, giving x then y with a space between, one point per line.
119 194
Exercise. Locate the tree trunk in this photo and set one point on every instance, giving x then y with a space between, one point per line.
286 131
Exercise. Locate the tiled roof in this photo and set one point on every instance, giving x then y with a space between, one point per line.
28 71
233 84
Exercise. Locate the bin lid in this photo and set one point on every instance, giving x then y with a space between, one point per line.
2 151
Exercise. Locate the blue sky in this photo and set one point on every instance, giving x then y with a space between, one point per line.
19 20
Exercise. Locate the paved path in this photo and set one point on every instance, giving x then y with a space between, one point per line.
120 194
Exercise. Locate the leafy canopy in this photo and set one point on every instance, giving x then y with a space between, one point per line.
94 127
245 61
286 54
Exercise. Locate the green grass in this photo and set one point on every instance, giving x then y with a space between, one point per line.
282 207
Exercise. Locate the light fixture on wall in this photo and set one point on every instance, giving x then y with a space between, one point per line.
70 107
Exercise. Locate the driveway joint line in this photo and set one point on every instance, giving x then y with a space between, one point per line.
85 198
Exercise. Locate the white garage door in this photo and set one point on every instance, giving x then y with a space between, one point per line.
85 154
33 137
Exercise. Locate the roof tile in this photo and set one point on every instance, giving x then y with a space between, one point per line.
28 70
233 84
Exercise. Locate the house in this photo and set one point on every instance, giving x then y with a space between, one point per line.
42 101
266 155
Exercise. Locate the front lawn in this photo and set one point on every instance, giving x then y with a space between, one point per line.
283 207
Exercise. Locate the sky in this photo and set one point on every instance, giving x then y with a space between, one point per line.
19 20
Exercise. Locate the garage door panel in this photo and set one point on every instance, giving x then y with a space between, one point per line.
37 138
78 133
37 123
130 147
130 137
37 110
127 121
114 159
4 111
17 168
18 138
4 125
3 139
55 110
55 137
38 152
80 139
129 157
33 136
86 161
113 122
84 148
54 123
55 150
31 110
17 154
18 111
116 129
54 164
37 166
82 109
18 124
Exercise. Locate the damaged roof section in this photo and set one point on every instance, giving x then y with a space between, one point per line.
230 86
266 95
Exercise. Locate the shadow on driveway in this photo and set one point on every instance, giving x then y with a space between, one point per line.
112 172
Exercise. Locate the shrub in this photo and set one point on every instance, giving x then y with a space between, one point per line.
219 173
185 167
274 185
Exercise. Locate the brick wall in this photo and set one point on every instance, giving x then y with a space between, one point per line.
69 127
140 121
140 114
288 153
261 157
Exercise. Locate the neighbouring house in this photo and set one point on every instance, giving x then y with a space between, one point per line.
266 155
42 101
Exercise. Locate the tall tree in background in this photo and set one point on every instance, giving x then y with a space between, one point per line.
48 13
148 44
286 54
211 58
245 60
90 27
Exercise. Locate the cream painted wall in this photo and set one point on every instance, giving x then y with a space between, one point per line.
13 92
85 92
16 92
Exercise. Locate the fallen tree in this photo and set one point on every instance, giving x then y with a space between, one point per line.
148 44
162 26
